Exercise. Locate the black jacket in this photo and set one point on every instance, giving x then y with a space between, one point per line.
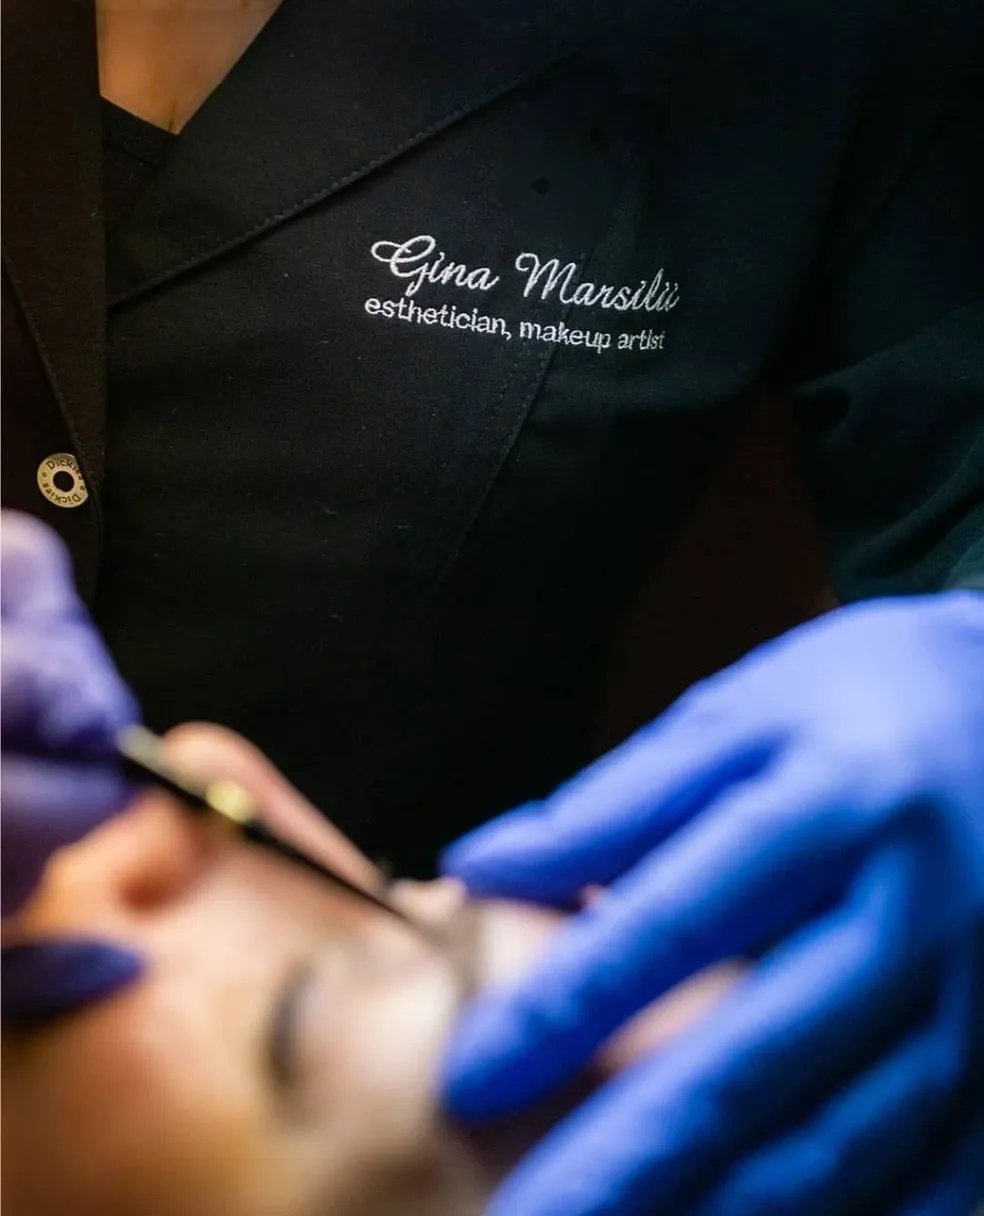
433 326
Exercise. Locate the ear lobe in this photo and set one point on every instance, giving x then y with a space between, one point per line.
213 751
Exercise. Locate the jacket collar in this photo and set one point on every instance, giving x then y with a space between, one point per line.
52 206
327 93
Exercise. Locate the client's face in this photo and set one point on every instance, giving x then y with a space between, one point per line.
279 1057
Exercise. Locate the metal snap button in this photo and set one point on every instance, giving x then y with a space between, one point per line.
60 480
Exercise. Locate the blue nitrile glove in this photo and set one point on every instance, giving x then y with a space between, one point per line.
61 699
822 800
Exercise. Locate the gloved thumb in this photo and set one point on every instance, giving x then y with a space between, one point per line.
47 979
47 805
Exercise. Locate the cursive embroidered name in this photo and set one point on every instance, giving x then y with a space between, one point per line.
651 295
412 260
419 262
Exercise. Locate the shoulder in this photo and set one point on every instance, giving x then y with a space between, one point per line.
786 44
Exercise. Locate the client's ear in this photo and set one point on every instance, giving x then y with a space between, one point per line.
213 751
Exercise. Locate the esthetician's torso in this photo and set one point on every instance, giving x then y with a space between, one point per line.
424 332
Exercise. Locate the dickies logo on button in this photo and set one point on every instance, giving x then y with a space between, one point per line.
60 480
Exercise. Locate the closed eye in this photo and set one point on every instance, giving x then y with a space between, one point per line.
282 1046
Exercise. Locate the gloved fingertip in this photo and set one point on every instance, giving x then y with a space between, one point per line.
448 859
44 980
495 840
37 568
463 860
496 859
473 1084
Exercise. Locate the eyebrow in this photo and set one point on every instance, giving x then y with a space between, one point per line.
282 1038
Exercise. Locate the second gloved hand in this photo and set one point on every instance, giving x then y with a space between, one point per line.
820 803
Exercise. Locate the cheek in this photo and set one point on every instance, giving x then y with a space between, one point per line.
109 1117
381 1141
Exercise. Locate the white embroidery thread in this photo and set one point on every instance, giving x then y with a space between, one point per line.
409 260
419 261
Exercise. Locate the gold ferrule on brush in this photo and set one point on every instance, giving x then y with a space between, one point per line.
231 801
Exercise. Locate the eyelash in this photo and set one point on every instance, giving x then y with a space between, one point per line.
279 1043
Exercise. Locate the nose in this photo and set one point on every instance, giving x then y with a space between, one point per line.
91 926
145 861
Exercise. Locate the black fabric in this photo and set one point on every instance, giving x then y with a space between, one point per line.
54 297
384 530
133 152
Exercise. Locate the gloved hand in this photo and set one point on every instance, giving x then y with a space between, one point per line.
819 805
60 702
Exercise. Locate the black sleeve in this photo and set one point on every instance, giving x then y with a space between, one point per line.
888 368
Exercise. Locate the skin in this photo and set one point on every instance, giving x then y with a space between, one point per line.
160 1101
161 59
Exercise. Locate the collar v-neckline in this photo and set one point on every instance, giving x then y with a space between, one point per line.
324 95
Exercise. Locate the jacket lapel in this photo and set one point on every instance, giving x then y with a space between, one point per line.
52 205
325 95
